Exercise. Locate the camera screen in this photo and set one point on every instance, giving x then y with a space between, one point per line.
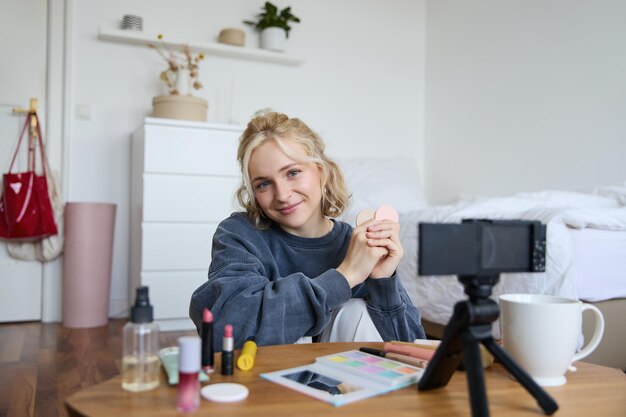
505 247
479 247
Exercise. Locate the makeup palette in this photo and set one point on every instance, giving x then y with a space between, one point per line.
365 365
345 377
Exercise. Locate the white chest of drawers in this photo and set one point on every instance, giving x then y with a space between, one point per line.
183 179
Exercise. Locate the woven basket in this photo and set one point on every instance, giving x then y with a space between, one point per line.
180 107
231 36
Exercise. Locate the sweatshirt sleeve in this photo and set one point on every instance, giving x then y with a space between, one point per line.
273 311
392 311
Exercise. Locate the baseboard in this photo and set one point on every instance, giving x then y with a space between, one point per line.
119 308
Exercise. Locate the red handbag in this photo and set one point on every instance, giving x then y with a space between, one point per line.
25 208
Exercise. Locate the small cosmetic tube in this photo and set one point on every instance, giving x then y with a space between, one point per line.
245 362
188 399
227 350
207 341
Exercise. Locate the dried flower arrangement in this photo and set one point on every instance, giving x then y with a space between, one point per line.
178 61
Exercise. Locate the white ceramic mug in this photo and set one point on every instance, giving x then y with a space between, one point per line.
541 333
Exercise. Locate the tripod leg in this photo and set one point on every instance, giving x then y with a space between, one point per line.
475 378
547 403
448 355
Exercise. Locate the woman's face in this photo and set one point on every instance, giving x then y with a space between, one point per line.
288 192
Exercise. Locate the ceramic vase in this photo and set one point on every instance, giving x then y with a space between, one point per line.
274 39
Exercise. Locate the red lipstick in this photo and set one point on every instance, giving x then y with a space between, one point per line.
207 341
227 350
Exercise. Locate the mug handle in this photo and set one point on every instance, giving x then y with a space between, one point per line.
595 339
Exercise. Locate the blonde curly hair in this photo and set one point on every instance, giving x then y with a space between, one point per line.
282 129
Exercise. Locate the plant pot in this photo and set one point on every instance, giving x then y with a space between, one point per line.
180 107
274 39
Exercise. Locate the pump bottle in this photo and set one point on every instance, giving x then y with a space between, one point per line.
140 363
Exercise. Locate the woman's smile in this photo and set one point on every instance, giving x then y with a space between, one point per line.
289 209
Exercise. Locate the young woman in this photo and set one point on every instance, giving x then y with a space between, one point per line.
284 270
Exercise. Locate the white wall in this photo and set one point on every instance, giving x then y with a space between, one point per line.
361 86
524 95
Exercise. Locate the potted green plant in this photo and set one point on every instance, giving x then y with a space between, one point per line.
274 25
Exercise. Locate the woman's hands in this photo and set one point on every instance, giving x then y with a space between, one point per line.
375 250
385 234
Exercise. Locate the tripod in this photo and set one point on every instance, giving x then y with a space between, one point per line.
469 325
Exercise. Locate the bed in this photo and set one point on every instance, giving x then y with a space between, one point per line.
586 245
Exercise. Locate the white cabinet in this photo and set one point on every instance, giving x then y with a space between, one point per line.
183 180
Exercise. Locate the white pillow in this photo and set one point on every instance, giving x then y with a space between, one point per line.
377 181
618 192
556 198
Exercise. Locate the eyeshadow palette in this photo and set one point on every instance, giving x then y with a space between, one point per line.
365 365
345 377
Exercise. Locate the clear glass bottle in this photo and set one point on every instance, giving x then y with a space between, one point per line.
140 363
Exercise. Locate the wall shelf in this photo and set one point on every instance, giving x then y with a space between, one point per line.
216 49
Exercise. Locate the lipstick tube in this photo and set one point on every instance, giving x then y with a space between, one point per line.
188 398
207 341
227 350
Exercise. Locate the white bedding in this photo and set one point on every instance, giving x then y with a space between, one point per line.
599 265
576 222
564 213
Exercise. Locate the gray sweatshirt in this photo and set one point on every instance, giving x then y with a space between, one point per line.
276 287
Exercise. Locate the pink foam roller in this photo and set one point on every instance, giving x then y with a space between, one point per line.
89 229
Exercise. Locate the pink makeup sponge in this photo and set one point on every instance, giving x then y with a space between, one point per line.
386 212
364 215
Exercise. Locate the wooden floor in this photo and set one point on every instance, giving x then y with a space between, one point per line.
41 364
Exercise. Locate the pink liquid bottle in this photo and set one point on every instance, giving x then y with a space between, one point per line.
189 351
